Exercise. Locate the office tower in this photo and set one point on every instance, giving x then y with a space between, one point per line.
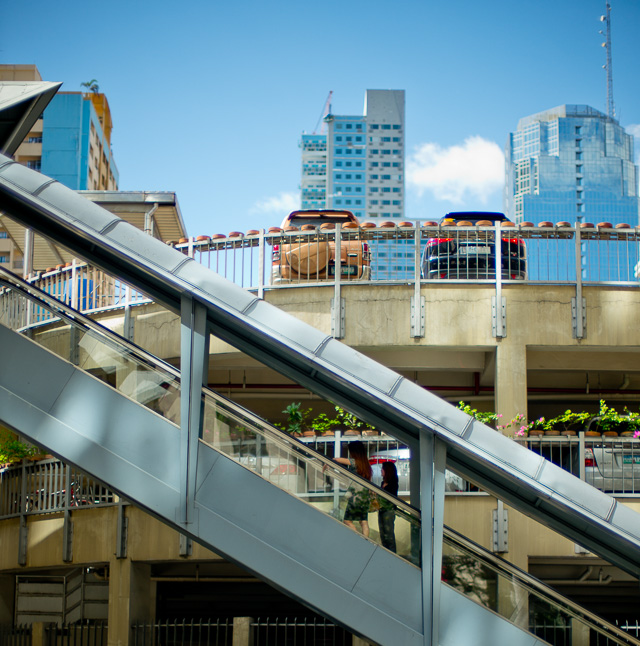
70 143
358 164
571 163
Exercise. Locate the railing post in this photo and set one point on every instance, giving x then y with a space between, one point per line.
74 286
417 301
582 454
23 535
67 527
578 303
261 263
498 305
337 305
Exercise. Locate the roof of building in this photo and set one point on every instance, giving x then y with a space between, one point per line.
158 213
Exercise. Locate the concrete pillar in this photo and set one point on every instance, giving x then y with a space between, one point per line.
242 631
130 596
7 599
511 382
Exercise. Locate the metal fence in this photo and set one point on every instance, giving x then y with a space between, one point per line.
77 634
611 464
555 253
15 635
393 254
258 632
48 486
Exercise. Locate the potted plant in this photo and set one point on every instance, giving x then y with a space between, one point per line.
607 422
322 424
630 427
536 427
295 418
349 422
569 422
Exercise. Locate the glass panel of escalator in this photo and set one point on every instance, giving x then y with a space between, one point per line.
310 476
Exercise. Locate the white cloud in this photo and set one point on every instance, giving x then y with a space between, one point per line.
473 170
281 204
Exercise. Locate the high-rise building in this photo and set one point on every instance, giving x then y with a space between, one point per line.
72 141
571 163
359 163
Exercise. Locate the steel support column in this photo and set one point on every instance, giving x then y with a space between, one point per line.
433 457
194 354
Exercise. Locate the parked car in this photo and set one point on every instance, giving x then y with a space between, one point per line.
402 459
471 253
311 254
612 464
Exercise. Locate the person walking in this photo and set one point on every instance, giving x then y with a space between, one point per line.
387 513
359 498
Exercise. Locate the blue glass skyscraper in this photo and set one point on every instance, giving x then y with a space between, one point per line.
571 163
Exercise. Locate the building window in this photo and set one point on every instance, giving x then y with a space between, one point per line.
338 163
348 164
396 127
338 126
578 130
385 176
374 126
358 126
578 155
358 164
349 126
578 143
578 181
580 208
386 126
579 194
34 140
4 258
34 164
579 169
4 234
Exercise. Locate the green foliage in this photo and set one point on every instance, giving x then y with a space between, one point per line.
570 420
295 417
13 450
486 417
322 423
350 421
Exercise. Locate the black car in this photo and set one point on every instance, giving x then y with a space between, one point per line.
466 249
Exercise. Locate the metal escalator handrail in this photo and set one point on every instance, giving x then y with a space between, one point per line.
63 311
283 439
528 581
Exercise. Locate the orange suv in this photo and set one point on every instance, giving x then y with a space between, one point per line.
307 249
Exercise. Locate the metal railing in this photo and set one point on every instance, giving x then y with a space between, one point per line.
186 632
15 635
49 486
575 255
89 633
611 464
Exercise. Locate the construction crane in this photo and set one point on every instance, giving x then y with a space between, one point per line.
325 111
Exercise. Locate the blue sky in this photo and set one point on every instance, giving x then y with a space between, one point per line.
209 99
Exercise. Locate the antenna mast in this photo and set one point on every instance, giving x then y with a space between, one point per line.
611 111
